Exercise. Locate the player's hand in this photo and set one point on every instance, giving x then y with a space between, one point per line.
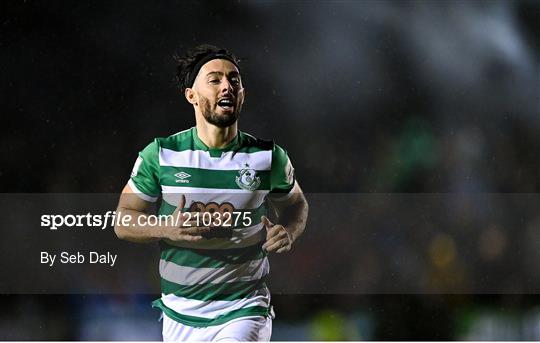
186 229
277 238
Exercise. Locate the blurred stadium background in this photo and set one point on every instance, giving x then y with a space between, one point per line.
430 99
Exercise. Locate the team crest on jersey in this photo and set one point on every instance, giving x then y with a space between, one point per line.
248 179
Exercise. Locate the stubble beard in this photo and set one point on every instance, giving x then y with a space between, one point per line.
219 120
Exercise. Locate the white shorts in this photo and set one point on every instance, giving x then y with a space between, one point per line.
241 329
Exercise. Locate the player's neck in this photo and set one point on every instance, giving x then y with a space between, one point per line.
216 137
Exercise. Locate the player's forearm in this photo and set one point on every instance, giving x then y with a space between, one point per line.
135 231
294 217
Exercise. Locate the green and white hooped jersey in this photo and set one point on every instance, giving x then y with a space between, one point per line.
214 280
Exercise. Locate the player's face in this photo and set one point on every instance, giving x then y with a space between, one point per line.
220 92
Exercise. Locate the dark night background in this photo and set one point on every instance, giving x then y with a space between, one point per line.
368 97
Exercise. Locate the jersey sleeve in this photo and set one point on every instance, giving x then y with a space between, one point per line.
144 179
282 177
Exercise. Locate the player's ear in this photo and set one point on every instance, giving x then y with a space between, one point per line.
191 96
242 94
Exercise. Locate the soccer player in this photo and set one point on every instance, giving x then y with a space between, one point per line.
213 273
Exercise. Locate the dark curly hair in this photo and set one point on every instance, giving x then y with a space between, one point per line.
186 63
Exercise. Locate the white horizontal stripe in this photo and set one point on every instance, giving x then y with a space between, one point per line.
188 276
139 193
215 308
239 198
230 160
241 238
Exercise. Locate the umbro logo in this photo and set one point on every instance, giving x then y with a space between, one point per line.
182 177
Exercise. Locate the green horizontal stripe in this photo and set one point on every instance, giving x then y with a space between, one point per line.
250 149
209 258
187 145
255 214
203 322
178 147
188 141
213 291
209 178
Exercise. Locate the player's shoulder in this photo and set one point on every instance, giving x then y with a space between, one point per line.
254 144
249 141
178 141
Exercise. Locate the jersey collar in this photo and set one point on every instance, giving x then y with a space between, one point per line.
215 152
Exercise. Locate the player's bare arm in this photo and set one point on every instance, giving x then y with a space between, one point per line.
132 205
292 216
